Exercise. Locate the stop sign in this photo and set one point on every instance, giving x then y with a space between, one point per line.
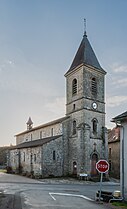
102 166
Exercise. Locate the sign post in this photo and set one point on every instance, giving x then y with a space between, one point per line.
102 166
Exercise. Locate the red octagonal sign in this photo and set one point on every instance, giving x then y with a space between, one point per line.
102 166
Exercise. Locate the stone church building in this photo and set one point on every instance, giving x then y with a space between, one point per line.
72 144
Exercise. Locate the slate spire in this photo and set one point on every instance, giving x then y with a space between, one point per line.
85 55
29 124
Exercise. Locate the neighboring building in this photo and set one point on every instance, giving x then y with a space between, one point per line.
114 152
72 144
121 121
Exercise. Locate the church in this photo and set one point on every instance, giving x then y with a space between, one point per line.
70 145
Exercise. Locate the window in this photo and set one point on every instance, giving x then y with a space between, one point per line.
51 131
35 158
110 152
24 156
74 86
94 125
73 106
54 155
94 87
74 127
31 137
40 134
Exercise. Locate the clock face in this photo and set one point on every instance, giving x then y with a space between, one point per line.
94 105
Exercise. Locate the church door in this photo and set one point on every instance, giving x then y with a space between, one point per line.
94 160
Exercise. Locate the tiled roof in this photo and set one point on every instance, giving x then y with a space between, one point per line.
35 143
85 55
114 135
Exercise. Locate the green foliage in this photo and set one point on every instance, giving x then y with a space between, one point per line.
120 204
3 155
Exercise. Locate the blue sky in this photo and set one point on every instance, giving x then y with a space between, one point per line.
38 41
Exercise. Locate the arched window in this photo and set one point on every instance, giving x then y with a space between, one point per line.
74 86
74 127
94 86
94 121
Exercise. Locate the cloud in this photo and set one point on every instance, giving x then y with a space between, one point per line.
57 106
120 82
6 64
119 68
116 101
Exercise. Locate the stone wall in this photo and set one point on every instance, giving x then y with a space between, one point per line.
38 133
52 158
46 160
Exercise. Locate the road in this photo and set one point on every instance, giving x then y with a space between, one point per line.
52 193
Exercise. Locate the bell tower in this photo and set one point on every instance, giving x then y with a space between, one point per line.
85 94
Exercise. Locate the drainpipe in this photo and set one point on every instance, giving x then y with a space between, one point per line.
123 162
122 149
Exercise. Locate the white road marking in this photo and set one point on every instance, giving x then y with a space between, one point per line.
72 195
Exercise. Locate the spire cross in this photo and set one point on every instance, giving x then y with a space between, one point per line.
84 26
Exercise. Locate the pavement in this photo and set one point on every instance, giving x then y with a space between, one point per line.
69 180
13 201
10 201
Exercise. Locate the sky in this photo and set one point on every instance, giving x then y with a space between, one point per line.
38 41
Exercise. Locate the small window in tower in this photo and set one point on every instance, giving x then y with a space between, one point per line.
74 127
54 155
95 125
94 87
73 106
74 86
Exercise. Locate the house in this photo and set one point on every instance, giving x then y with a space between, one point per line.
114 152
121 121
72 144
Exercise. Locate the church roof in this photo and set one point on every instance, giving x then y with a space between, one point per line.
85 55
60 120
36 143
114 135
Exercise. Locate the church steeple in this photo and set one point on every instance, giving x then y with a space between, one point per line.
85 55
29 124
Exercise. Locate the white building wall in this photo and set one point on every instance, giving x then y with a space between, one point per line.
123 159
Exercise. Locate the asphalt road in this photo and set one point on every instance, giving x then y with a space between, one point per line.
21 192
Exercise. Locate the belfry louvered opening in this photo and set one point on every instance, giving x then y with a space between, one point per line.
74 86
94 86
